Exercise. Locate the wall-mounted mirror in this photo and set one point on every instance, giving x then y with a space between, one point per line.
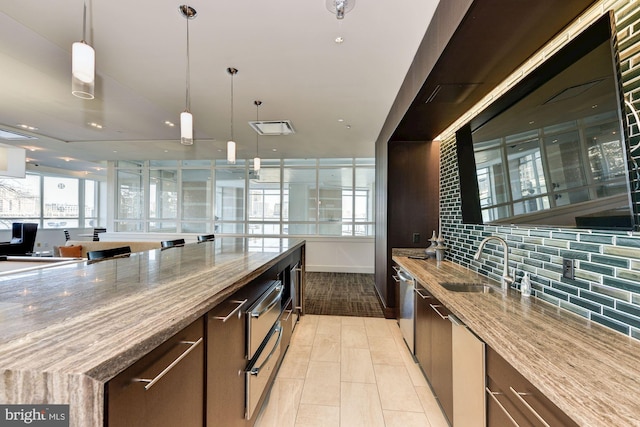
552 150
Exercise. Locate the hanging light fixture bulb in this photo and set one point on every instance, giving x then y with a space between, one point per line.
186 118
231 145
340 7
83 64
256 159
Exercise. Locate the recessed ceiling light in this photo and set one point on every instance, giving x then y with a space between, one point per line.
168 123
348 126
95 125
27 127
274 149
340 120
339 40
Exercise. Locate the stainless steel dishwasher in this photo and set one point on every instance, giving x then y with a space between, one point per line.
406 314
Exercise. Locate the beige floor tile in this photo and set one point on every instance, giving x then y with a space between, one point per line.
384 350
354 336
377 326
405 419
413 368
283 404
431 407
326 348
322 385
318 416
304 332
396 389
353 321
329 325
356 366
296 362
360 406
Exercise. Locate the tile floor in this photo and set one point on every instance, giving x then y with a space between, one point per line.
349 372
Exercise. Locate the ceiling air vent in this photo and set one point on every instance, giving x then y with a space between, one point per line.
272 127
14 136
450 93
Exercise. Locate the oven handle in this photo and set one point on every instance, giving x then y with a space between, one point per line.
256 370
271 300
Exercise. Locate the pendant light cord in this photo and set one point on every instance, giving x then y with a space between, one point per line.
84 23
232 75
258 103
188 91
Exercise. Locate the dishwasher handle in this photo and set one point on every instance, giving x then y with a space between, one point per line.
268 302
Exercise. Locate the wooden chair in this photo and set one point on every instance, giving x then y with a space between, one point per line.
172 243
206 238
109 253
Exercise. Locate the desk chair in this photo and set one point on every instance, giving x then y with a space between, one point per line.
172 243
23 238
206 238
109 253
97 231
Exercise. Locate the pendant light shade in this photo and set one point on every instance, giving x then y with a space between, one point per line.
186 128
256 159
186 118
231 145
231 152
83 65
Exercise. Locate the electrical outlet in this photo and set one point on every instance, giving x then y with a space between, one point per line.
416 237
568 269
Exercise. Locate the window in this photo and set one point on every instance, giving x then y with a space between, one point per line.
305 197
52 201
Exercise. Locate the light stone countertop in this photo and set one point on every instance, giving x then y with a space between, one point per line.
590 372
65 331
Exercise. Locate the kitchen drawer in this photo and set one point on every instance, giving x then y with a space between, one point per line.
164 388
510 393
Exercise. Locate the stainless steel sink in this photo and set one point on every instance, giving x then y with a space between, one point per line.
467 287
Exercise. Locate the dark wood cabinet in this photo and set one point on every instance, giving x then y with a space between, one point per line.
164 388
513 400
433 346
226 363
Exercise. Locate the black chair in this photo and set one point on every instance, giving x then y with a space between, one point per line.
23 238
109 253
67 236
206 238
172 243
97 231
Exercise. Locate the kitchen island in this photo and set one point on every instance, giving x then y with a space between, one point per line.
66 331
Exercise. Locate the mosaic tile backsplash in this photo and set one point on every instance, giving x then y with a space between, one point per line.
606 286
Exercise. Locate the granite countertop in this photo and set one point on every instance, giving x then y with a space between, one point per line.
65 331
590 372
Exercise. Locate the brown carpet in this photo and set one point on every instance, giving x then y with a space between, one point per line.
341 294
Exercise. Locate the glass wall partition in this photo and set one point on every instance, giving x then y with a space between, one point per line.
301 197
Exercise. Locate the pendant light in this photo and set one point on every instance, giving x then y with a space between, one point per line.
231 145
83 64
256 159
186 118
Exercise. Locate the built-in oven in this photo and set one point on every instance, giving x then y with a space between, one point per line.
262 315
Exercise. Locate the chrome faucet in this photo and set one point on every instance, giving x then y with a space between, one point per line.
506 278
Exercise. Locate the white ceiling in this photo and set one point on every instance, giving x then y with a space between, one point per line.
284 51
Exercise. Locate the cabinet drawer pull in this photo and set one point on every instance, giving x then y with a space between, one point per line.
256 370
529 407
423 296
269 302
234 311
435 308
395 268
396 278
289 315
495 399
151 382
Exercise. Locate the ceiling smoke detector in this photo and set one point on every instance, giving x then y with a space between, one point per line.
272 127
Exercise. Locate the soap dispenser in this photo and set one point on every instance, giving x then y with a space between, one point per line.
525 285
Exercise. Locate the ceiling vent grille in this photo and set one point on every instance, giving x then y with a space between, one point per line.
14 136
272 127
